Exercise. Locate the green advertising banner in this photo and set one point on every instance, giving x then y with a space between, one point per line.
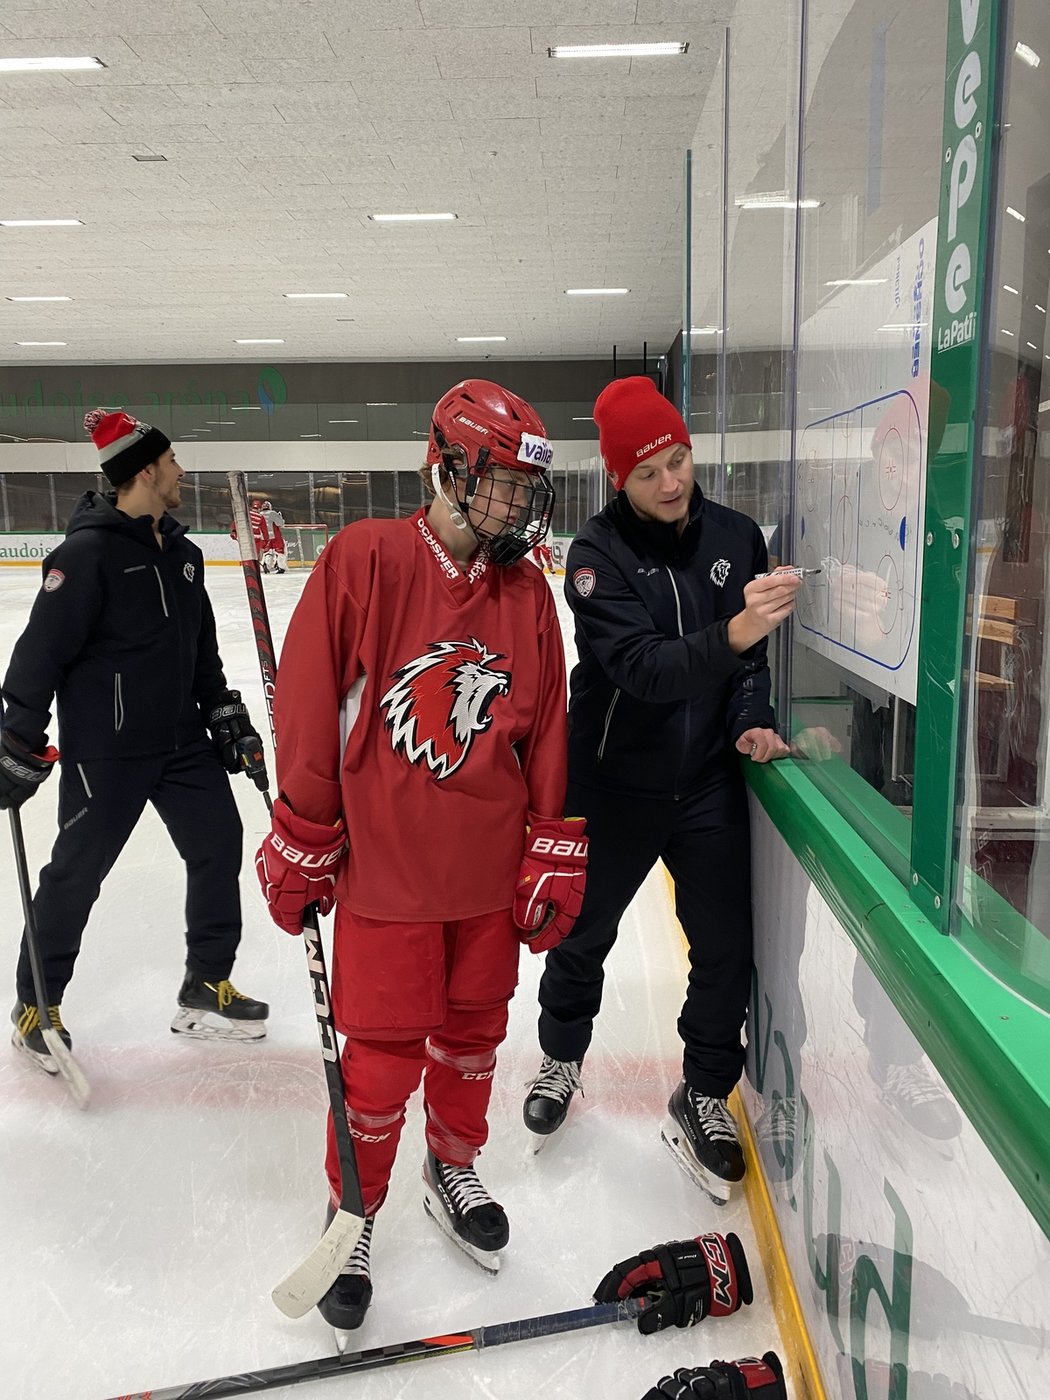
963 236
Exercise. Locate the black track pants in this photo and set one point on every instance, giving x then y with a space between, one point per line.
99 804
704 840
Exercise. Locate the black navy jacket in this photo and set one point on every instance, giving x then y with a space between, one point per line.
659 698
122 634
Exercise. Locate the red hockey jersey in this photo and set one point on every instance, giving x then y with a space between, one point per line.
427 707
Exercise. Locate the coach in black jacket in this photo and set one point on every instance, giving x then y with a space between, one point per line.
122 639
672 686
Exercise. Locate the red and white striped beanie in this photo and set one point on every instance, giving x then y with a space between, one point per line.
124 444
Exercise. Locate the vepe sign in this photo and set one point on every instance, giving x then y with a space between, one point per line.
965 125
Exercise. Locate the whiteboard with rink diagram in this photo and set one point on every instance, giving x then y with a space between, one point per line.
860 476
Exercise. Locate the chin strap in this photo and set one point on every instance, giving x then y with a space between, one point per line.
453 506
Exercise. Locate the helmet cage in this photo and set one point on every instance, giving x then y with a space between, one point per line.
506 541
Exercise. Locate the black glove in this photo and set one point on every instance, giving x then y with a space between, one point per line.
236 738
686 1281
21 772
748 1379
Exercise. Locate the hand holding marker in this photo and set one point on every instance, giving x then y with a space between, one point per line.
792 573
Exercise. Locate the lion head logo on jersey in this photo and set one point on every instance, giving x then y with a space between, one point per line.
441 703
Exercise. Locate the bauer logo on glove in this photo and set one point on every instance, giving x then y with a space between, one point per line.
551 881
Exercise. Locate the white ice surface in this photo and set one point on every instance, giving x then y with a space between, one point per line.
140 1239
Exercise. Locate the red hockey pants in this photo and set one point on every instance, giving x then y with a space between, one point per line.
426 1000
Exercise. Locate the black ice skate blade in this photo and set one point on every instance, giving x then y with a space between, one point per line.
714 1187
44 1063
487 1260
539 1142
209 1025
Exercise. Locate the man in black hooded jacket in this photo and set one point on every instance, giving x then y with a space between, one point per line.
122 637
672 612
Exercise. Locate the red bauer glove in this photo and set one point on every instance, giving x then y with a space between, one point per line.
297 866
551 881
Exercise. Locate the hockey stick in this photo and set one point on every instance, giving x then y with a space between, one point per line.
497 1334
76 1080
309 1281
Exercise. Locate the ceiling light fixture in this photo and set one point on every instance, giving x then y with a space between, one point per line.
1028 55
1006 332
903 326
245 408
343 420
48 65
41 342
775 201
258 342
858 282
657 49
40 298
382 403
40 223
1031 346
596 291
1008 288
470 339
1040 308
222 422
411 218
704 330
1014 214
316 296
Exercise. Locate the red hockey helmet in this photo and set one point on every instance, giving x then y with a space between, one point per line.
479 426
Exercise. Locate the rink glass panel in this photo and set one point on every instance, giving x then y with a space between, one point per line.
1003 881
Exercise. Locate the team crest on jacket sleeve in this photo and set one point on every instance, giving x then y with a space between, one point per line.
583 580
440 703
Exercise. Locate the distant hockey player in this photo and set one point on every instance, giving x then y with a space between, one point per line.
671 689
543 558
274 554
269 546
122 636
420 712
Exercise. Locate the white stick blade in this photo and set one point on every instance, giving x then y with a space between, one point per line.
76 1080
307 1284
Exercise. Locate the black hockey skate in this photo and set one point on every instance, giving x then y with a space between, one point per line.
550 1093
346 1302
218 1011
27 1036
457 1202
701 1135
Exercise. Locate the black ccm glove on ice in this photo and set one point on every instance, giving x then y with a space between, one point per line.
21 772
747 1379
686 1280
236 738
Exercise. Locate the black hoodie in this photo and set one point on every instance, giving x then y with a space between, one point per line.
659 697
122 634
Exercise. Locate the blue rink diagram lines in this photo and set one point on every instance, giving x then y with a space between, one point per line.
858 514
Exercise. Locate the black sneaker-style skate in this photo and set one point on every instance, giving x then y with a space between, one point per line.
218 1011
28 1037
701 1135
458 1204
346 1302
550 1094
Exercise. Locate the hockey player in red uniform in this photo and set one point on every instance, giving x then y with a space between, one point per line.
420 715
543 558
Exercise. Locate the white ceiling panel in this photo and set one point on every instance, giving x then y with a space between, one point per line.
285 123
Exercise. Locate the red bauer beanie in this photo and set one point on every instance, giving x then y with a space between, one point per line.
635 421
